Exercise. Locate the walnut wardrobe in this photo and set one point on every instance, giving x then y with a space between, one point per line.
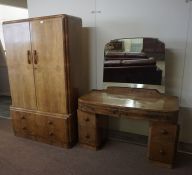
41 56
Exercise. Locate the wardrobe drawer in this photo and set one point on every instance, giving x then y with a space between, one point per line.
41 128
86 119
23 123
52 130
58 130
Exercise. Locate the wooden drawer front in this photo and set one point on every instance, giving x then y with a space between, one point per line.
23 123
110 111
16 121
86 119
41 128
52 130
88 135
163 132
57 130
162 152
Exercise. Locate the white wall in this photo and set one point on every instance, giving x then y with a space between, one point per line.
186 97
10 13
7 13
164 19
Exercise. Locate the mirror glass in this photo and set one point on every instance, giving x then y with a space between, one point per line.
135 60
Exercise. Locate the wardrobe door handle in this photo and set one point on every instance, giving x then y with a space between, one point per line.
29 56
87 119
35 57
164 132
87 136
51 134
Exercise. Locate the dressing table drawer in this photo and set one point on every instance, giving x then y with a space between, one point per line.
162 152
164 132
86 119
88 136
163 142
92 129
104 110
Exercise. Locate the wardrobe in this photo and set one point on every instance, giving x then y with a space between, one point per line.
42 56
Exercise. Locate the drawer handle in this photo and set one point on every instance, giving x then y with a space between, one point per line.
87 136
23 117
164 132
162 152
51 133
87 119
50 122
115 111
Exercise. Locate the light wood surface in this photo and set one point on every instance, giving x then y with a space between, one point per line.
20 68
36 18
43 126
72 59
41 53
132 98
146 104
49 71
163 142
92 129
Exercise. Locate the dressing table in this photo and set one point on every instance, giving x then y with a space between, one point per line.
139 104
138 64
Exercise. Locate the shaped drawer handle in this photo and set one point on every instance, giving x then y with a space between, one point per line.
50 133
87 119
164 132
87 136
50 122
23 117
115 111
162 152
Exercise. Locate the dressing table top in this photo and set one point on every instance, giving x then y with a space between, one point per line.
132 98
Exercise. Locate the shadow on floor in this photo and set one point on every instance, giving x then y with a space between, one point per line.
5 102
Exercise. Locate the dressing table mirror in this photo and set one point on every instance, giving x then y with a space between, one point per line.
135 62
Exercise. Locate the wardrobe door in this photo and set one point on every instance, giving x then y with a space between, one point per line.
20 65
47 45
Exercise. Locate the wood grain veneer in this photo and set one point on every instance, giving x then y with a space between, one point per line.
41 61
145 104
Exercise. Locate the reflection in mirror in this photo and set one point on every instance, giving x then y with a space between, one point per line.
135 60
